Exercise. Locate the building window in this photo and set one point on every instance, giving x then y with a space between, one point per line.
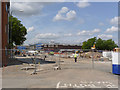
6 8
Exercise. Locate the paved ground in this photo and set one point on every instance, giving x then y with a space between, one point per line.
71 75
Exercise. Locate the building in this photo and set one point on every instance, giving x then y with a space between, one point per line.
31 47
38 46
58 47
4 32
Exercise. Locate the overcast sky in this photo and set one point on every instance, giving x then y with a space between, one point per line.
68 22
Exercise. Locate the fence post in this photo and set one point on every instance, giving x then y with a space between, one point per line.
35 64
93 58
59 67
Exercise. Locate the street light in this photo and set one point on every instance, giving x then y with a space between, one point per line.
11 28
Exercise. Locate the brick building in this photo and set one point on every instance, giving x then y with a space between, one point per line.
4 32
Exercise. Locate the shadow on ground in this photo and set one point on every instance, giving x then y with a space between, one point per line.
20 61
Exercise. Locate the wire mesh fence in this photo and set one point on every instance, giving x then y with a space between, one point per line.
86 59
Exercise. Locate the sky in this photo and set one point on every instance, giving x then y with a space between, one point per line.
67 22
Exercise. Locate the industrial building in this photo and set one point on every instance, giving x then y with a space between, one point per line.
58 47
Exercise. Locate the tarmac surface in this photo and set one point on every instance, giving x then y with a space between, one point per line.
82 74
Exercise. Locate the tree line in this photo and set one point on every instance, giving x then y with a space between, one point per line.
99 44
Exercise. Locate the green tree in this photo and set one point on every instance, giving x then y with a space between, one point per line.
89 43
84 46
109 44
99 44
18 32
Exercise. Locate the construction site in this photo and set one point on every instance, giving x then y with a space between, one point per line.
59 70
59 45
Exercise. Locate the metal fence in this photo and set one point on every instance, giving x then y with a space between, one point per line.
86 59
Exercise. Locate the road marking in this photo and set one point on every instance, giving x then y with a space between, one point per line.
58 85
84 84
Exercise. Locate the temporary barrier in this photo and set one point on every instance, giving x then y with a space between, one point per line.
115 63
107 54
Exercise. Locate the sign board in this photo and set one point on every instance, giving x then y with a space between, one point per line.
93 47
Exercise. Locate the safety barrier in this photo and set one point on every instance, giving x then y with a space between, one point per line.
115 63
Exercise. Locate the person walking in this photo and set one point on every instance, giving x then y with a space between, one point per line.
75 56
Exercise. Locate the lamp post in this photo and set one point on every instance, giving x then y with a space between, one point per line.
11 30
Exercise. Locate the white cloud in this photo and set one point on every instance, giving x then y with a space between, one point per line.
70 15
65 14
83 4
63 10
114 20
112 29
42 37
85 32
47 36
30 29
28 8
104 36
